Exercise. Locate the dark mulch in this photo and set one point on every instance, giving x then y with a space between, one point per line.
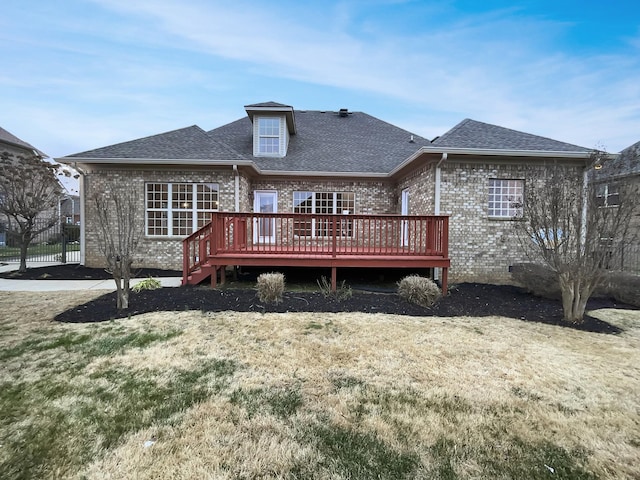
466 299
73 271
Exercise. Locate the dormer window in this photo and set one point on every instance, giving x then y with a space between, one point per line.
269 135
273 124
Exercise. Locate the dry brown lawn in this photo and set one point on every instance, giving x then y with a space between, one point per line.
248 395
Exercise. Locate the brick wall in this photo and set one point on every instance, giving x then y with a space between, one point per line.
481 248
371 197
153 252
421 186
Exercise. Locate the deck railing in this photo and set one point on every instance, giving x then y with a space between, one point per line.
309 235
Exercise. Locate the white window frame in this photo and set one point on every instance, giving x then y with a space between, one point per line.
317 203
195 215
505 198
265 132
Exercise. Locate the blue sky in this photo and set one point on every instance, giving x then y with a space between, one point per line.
84 74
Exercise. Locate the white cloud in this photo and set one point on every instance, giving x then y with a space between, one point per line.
142 65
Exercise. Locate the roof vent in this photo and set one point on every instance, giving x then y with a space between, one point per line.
344 112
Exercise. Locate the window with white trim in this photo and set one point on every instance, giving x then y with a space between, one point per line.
607 195
269 135
179 209
323 203
505 198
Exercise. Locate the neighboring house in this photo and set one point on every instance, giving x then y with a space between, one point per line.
320 163
14 146
618 177
70 209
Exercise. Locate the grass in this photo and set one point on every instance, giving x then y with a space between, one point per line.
249 395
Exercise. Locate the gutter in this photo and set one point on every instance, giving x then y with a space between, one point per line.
216 163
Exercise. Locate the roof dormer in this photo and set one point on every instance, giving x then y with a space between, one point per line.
273 123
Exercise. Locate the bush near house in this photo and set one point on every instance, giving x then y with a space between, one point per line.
271 287
541 281
420 290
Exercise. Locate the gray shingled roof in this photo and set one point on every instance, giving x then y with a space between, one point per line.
627 163
328 142
8 137
473 134
191 143
325 141
268 105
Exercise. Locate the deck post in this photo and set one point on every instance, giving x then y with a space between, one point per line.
445 274
214 276
223 274
334 279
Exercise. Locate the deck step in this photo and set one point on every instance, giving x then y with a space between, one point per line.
201 274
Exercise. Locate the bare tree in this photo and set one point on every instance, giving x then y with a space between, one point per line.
119 231
29 197
565 226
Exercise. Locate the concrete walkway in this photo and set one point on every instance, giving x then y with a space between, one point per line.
8 285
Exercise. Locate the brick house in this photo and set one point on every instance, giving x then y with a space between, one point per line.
279 160
620 177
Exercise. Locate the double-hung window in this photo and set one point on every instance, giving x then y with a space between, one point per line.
607 195
323 203
178 209
505 198
269 135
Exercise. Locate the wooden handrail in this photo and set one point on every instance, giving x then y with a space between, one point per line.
315 235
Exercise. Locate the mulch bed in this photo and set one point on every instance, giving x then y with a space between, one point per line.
466 299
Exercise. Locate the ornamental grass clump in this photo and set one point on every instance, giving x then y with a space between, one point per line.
147 284
419 290
270 287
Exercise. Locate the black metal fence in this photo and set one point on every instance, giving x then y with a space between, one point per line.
60 243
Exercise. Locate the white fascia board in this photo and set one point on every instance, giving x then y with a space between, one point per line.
505 153
492 153
287 110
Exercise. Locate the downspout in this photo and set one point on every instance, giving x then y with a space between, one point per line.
585 201
83 217
436 209
236 190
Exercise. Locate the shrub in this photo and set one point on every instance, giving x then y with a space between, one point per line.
537 279
147 284
343 291
420 290
624 287
271 287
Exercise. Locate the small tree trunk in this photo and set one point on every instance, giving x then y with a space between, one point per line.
575 294
24 246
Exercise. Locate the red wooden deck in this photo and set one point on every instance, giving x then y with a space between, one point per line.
289 239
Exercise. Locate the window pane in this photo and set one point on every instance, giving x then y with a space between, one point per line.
269 144
269 126
346 202
182 223
207 196
505 196
157 223
157 195
302 203
182 196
